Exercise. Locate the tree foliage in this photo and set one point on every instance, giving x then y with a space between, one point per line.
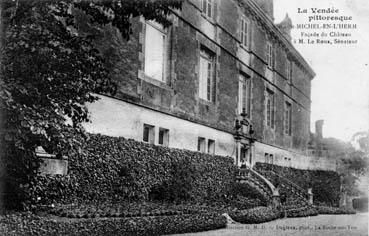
50 72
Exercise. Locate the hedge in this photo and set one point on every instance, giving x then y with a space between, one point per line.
28 224
326 210
256 215
113 169
302 212
325 184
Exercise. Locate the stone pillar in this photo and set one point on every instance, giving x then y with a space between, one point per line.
310 193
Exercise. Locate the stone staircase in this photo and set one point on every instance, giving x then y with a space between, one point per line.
257 182
293 198
275 188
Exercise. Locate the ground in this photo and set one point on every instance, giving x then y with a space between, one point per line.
327 225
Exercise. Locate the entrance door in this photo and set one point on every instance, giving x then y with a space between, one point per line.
244 155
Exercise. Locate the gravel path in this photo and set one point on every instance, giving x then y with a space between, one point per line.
327 225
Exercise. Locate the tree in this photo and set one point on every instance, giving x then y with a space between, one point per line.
50 72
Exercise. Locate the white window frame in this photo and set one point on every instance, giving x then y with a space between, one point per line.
208 8
245 33
160 29
244 94
270 55
206 75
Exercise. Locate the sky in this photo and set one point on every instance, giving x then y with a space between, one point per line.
340 89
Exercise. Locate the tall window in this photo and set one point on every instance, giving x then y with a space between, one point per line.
155 38
289 71
270 55
206 76
244 95
244 32
270 108
207 7
287 118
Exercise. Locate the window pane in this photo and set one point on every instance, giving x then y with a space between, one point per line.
154 52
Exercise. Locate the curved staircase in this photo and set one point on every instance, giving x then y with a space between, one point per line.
294 199
258 182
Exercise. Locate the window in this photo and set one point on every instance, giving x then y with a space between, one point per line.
266 156
271 161
207 8
270 108
287 118
155 38
163 137
201 144
244 32
149 133
207 77
270 55
211 146
289 71
244 95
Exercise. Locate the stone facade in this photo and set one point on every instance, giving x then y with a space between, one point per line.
177 95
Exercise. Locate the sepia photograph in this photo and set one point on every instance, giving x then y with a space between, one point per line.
184 117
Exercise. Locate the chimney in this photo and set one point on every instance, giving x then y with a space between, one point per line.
267 7
319 128
285 27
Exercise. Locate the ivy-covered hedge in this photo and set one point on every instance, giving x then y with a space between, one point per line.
28 224
256 215
325 184
334 210
108 168
302 212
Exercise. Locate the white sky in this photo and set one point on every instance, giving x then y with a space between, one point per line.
340 88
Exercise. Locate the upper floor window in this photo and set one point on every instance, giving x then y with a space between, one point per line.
207 75
245 29
270 55
270 108
207 8
287 118
155 44
244 95
289 71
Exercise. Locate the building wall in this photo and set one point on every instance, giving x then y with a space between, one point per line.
110 116
113 117
179 97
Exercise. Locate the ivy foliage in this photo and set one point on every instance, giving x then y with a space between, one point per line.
114 169
50 72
